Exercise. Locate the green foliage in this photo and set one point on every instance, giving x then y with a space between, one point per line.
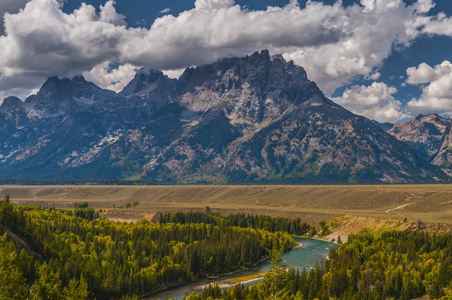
395 265
9 181
312 231
76 290
48 286
291 226
85 213
12 280
277 275
81 205
136 203
76 258
324 229
10 217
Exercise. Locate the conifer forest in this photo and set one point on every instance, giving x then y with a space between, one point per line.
48 253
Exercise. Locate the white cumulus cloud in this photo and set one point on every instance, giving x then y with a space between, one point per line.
213 4
440 25
13 7
42 41
114 79
332 42
436 95
9 6
375 102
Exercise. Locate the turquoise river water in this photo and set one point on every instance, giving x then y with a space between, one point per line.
306 256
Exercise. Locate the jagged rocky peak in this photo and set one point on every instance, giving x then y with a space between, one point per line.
195 76
145 95
422 124
255 66
58 97
11 101
264 68
443 156
423 133
251 89
431 118
84 86
435 119
86 93
259 66
53 99
12 108
57 89
53 86
143 80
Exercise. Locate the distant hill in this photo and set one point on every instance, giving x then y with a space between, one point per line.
430 136
423 133
255 119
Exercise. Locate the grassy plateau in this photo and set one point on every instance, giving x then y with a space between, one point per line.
429 203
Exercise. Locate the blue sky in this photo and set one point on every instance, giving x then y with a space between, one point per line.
386 59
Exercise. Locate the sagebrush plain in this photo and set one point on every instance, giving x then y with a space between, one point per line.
429 203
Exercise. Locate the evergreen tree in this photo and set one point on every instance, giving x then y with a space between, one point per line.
48 286
276 278
12 281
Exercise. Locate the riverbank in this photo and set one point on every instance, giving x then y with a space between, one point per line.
253 278
225 277
306 254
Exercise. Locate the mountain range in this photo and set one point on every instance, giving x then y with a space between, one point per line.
255 119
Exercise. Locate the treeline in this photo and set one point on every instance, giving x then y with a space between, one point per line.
7 181
395 265
83 211
70 257
291 226
11 218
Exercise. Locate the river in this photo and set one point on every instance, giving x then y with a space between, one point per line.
306 256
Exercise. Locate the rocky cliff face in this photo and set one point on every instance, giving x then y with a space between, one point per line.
239 120
430 136
443 156
423 133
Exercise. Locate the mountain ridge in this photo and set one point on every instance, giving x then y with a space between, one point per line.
255 119
428 135
424 133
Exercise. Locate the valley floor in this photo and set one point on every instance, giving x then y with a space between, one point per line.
431 204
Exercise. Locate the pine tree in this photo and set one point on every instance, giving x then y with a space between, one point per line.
76 290
276 278
47 286
12 281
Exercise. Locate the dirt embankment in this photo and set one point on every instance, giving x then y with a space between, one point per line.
21 243
344 226
125 215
